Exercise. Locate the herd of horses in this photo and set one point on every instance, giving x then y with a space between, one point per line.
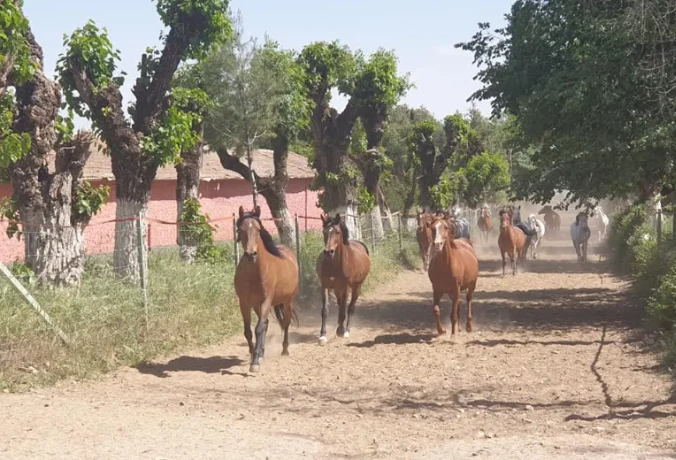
267 275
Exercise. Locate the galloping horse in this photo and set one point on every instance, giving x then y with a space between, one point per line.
463 226
266 277
526 228
512 242
485 222
343 264
580 233
453 269
539 227
598 210
423 235
552 218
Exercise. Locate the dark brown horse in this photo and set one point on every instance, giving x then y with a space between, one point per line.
485 223
266 278
552 218
512 242
343 265
423 234
453 269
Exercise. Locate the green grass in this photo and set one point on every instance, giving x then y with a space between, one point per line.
190 305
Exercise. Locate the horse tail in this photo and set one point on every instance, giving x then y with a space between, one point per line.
279 314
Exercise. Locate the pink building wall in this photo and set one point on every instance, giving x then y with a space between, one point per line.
219 199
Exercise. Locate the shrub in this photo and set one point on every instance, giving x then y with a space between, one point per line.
623 227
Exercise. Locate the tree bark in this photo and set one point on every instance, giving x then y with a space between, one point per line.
187 187
386 213
331 134
272 189
53 232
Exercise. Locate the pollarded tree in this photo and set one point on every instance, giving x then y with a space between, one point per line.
486 177
258 95
159 130
378 88
53 207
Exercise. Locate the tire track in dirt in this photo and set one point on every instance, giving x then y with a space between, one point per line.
557 368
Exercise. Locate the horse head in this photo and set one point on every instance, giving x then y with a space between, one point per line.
546 210
335 234
581 220
443 229
532 221
248 230
505 220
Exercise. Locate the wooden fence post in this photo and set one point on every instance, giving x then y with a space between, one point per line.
401 245
659 226
298 258
140 241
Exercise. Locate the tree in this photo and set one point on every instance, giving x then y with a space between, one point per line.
53 208
158 130
260 93
486 178
581 80
370 86
377 89
189 98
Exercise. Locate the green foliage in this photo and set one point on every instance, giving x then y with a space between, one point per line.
421 138
89 200
358 142
23 273
366 200
443 193
10 211
13 146
623 227
328 65
585 82
65 127
198 232
377 82
208 19
486 176
14 46
89 49
175 133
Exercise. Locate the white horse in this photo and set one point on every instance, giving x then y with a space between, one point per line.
580 233
604 221
539 227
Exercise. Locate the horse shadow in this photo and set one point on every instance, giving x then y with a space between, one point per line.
211 365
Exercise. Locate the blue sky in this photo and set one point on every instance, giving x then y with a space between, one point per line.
421 32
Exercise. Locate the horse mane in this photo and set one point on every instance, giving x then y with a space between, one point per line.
268 242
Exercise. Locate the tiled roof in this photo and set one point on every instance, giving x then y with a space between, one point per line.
98 167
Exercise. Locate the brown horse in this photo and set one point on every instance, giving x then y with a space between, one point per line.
453 269
552 218
512 241
423 235
485 223
266 278
343 264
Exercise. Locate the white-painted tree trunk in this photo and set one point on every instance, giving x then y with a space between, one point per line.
187 247
375 223
125 258
286 227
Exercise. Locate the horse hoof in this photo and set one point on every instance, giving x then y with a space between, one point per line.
285 352
340 333
323 341
254 368
468 327
346 335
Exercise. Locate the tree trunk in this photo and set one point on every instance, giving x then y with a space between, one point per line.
386 213
187 187
275 195
54 242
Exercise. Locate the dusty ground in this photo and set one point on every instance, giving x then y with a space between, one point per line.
557 368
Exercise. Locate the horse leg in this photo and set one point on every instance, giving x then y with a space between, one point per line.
437 311
455 313
504 262
246 317
288 313
350 309
261 329
342 306
512 260
470 294
325 314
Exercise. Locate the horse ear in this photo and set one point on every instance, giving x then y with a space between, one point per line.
257 211
241 211
337 218
322 216
577 219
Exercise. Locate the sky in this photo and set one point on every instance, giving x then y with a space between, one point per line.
421 32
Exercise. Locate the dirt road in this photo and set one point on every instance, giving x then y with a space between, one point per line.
557 368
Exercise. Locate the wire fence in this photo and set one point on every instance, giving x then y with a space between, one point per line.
144 262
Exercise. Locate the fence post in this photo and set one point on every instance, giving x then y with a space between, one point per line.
659 226
234 239
400 230
673 224
140 242
32 302
373 233
298 259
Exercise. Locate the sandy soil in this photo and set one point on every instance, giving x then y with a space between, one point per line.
557 367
